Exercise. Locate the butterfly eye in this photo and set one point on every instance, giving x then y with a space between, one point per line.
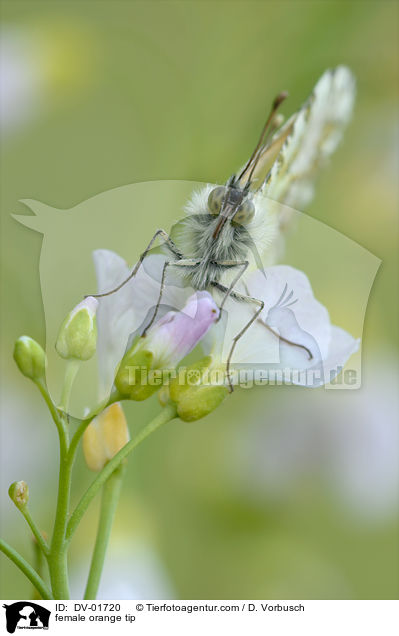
215 199
245 213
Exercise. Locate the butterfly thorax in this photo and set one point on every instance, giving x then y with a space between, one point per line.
231 244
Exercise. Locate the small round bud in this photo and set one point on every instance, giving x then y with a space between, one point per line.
19 493
132 377
193 396
77 338
30 358
200 401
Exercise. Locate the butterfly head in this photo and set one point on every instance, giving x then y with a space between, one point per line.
231 204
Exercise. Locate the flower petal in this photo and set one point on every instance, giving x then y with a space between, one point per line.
294 333
122 313
176 334
306 321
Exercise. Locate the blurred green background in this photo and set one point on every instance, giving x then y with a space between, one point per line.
282 492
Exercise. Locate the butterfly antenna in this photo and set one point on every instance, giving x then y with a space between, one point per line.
254 158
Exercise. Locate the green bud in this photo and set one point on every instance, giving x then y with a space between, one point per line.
194 398
200 401
133 376
19 493
152 358
77 338
30 358
192 378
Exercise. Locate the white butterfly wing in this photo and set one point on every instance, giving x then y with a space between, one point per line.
284 169
313 134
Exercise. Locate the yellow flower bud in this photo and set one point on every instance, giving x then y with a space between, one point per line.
105 436
30 358
19 493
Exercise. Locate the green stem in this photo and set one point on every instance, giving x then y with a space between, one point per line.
70 374
35 530
167 414
57 558
27 569
56 415
109 502
58 555
38 566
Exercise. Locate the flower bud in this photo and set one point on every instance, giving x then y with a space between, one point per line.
77 338
132 378
105 436
194 396
151 359
19 493
30 358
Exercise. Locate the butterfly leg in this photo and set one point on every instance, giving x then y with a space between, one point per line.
188 262
249 299
133 273
230 264
290 342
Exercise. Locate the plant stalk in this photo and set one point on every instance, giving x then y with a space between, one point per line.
109 502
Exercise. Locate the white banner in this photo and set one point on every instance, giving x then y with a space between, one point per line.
178 618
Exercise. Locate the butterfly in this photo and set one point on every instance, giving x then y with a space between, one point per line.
229 228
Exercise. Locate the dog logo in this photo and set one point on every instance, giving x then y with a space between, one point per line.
26 615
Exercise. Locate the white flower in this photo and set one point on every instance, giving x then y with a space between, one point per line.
293 334
121 314
166 342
